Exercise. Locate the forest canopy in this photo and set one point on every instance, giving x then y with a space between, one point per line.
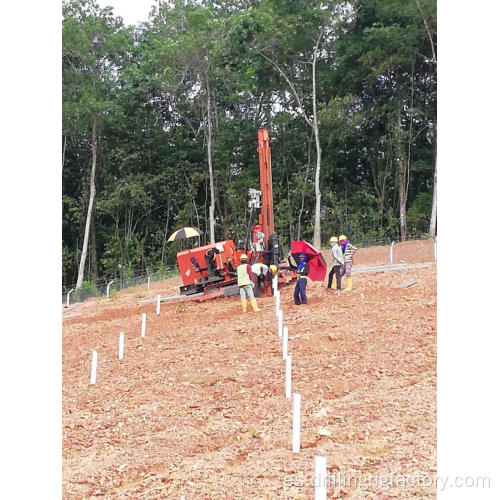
160 121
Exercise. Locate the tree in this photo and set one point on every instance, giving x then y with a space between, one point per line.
92 45
289 36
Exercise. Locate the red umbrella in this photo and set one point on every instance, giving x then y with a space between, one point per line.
316 261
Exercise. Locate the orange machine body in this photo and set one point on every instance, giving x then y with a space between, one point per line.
192 271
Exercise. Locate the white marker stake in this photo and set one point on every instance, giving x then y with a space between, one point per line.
149 281
391 252
280 323
277 303
288 376
93 369
121 344
285 342
143 327
296 423
107 288
67 296
319 478
158 305
275 285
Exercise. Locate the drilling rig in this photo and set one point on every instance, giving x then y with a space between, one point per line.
261 244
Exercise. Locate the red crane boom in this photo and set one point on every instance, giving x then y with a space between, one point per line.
266 218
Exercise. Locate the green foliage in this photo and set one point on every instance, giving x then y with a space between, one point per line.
87 290
419 212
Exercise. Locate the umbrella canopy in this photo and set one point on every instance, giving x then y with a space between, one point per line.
185 232
316 261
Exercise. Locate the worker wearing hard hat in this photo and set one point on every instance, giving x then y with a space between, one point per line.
338 264
299 294
246 282
263 273
348 250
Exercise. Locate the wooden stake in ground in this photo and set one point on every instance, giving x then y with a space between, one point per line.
121 345
288 376
93 369
296 423
285 342
320 478
143 326
158 305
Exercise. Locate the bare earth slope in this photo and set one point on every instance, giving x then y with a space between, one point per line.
197 408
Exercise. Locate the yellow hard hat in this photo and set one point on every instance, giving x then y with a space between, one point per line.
342 237
334 239
243 256
273 268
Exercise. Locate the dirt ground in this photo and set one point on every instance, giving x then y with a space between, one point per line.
197 409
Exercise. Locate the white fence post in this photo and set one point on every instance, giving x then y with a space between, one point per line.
67 296
149 280
158 305
278 300
391 252
107 288
280 323
143 326
275 285
320 478
93 369
296 423
285 342
288 377
121 344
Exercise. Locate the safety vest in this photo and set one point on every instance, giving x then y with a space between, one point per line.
243 277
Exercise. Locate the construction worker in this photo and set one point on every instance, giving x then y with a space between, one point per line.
299 294
210 260
246 282
348 250
338 264
263 273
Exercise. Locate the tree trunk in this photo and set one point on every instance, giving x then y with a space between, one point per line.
211 210
64 151
432 225
402 180
90 207
165 236
317 212
303 194
93 250
402 198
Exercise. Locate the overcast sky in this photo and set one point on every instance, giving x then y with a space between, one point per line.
131 11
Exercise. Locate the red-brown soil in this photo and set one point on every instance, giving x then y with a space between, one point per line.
197 409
